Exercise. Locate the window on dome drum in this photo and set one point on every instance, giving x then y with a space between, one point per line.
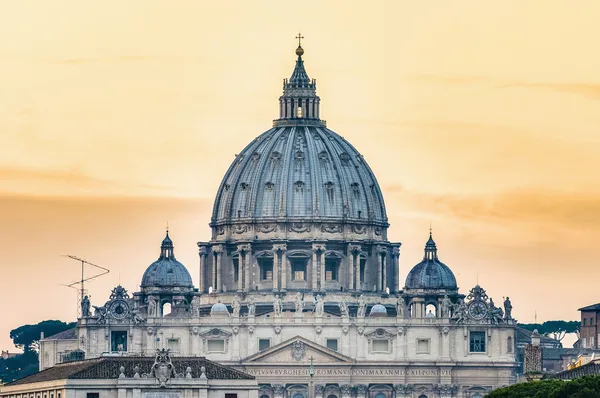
332 344
118 341
215 346
331 269
477 341
236 268
423 346
299 114
266 269
263 344
363 266
380 346
299 268
173 345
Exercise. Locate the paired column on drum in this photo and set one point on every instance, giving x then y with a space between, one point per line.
244 262
318 271
279 266
382 268
396 266
354 271
203 252
217 268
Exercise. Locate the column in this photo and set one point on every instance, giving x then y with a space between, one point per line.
350 259
317 272
322 265
249 262
284 267
288 107
384 262
310 111
396 266
241 261
356 262
213 281
218 267
202 251
276 265
379 270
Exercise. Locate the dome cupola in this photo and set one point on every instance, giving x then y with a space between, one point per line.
431 273
166 272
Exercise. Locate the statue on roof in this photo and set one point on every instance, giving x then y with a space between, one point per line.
445 307
507 309
195 307
85 307
319 305
236 305
343 307
362 306
277 305
251 306
299 303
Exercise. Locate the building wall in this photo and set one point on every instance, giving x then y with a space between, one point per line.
589 329
51 351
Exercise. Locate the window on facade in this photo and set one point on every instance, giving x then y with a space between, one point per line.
380 345
331 269
230 395
584 342
118 341
266 269
477 342
423 346
236 268
584 321
263 344
299 269
509 345
93 395
173 345
363 266
332 344
592 341
591 321
215 346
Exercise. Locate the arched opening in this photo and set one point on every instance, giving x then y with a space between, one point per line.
380 395
332 266
166 309
298 395
236 267
430 311
264 396
509 345
476 395
332 396
423 396
363 268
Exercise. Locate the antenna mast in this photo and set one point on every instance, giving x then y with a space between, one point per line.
81 282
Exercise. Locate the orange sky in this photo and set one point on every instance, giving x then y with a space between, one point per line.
481 118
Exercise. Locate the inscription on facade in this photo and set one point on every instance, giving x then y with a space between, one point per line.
349 372
162 394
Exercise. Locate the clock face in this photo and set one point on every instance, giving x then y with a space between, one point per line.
119 309
477 310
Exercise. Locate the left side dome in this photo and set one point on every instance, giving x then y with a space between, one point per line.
166 272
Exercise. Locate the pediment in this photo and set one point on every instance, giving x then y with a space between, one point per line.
297 350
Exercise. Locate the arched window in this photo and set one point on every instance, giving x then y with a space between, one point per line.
422 396
298 395
331 396
264 396
509 345
476 395
166 309
380 395
430 311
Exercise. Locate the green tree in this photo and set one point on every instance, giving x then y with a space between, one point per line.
554 329
27 337
583 387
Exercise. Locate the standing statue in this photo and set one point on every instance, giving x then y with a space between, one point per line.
507 309
319 305
299 303
251 306
195 307
400 306
343 307
277 305
236 305
151 308
446 305
362 306
85 307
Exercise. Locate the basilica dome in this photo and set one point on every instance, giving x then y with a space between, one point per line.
431 273
166 272
299 170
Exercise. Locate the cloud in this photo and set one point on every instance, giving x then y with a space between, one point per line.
540 207
588 89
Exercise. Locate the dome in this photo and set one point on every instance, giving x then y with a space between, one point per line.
299 170
431 273
219 309
166 272
378 310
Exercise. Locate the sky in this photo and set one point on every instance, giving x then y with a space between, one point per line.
480 118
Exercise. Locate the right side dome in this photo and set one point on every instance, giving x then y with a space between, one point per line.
431 273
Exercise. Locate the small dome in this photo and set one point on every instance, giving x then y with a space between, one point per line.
378 310
431 273
219 309
167 272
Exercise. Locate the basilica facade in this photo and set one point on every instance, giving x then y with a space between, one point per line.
299 284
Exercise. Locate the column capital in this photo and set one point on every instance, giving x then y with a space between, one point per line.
280 247
217 249
316 247
354 248
203 250
246 247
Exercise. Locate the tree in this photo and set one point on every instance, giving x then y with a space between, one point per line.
554 329
27 337
583 387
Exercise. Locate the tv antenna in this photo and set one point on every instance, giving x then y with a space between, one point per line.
103 271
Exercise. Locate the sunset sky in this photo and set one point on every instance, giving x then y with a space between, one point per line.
481 118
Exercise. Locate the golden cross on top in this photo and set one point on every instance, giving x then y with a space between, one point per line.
299 37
